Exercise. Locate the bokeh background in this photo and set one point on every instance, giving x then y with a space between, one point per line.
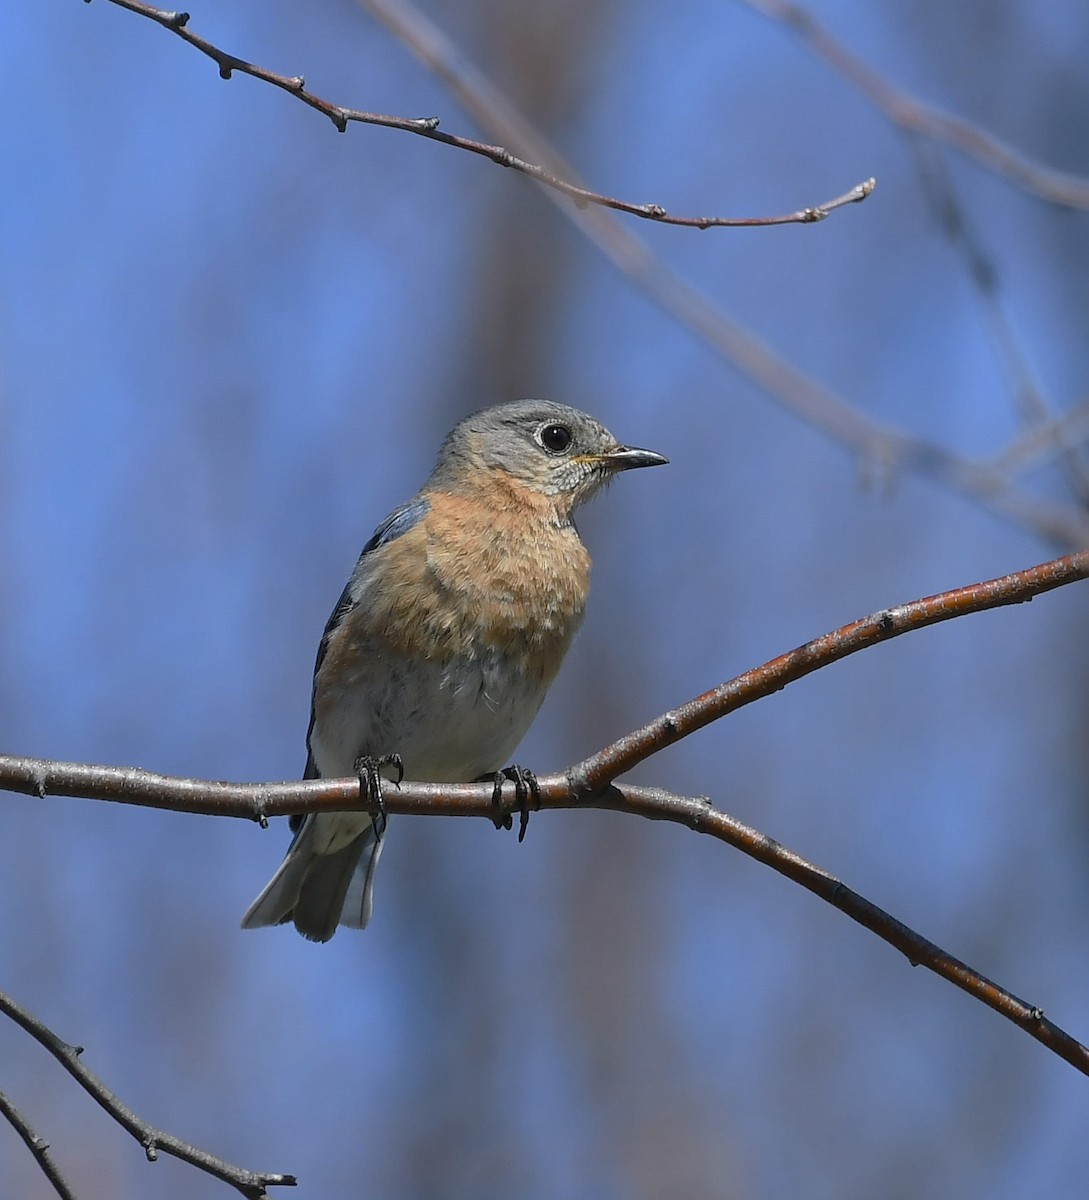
230 341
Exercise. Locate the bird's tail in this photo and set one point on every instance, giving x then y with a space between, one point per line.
320 891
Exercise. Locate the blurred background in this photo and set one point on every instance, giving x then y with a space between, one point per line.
231 340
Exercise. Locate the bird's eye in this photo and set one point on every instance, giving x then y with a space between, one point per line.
555 438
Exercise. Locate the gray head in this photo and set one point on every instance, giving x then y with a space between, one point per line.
552 450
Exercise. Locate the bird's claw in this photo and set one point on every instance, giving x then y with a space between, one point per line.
525 785
369 770
500 819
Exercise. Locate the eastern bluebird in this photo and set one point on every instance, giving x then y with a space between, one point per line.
449 632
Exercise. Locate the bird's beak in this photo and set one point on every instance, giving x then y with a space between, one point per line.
622 458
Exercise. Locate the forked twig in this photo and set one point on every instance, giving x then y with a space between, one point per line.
251 1184
589 784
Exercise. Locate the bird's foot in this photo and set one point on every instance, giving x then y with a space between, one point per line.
369 770
525 786
500 819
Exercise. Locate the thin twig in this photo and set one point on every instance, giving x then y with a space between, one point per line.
879 450
1046 441
37 1145
251 1184
428 127
916 116
589 784
1035 410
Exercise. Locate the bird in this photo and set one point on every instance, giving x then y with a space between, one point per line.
452 626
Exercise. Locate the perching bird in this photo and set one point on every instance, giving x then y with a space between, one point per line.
451 629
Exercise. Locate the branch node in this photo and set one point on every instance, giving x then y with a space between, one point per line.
695 821
1036 1014
248 1183
884 621
427 126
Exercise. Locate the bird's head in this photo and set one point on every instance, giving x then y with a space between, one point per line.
555 452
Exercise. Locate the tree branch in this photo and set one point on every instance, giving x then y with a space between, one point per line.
37 1145
428 127
1016 588
1049 440
259 801
880 450
916 116
251 1184
589 784
698 815
1035 409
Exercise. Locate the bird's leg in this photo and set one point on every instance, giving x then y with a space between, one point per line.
369 770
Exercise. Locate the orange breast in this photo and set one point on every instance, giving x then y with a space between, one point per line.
470 578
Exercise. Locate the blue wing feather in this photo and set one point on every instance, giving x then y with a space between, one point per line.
403 518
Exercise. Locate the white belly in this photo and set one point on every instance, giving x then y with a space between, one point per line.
449 722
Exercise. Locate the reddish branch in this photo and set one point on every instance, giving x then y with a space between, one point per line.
590 784
773 676
251 1184
428 127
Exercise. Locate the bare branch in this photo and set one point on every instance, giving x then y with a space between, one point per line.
589 784
428 127
1049 440
251 1184
1035 409
37 1145
601 769
260 801
698 815
879 450
916 116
